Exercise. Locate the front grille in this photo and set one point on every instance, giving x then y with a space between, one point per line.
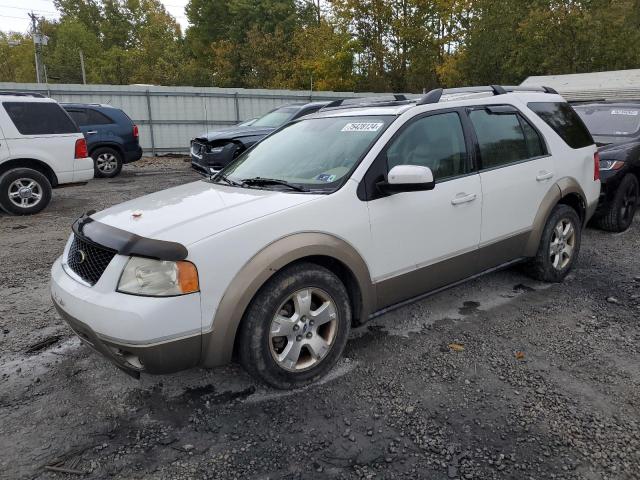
88 261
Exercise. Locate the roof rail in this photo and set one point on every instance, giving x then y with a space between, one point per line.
435 95
23 94
367 101
432 97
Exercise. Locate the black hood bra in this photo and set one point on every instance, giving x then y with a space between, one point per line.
126 243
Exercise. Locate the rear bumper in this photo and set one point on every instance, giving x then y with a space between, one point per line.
84 170
133 155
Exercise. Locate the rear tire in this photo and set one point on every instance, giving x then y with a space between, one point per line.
296 327
107 162
559 246
24 191
619 215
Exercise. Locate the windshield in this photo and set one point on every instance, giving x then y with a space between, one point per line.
276 118
605 120
315 153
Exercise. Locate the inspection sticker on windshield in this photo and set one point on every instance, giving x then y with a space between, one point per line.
362 127
631 113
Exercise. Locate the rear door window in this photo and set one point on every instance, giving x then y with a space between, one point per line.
79 116
39 118
501 138
563 119
97 118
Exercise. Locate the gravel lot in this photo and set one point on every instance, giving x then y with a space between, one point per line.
501 377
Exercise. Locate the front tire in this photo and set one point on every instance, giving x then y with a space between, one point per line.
619 214
559 246
296 327
107 162
24 191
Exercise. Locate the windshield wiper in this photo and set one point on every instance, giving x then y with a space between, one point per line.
273 181
219 176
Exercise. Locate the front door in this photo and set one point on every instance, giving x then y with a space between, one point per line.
428 239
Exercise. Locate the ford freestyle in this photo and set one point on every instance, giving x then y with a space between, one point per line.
347 213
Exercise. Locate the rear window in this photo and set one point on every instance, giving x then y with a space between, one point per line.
36 118
564 121
612 120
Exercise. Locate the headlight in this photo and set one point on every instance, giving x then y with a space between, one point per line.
611 164
215 149
158 278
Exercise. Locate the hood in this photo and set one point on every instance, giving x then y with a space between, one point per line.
629 151
194 211
235 132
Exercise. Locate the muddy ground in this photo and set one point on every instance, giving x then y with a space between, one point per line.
501 377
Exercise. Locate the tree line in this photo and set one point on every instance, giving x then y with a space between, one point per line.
342 45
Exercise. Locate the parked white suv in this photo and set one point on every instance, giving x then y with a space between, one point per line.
40 148
336 217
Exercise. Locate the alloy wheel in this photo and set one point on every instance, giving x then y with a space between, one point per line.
106 162
303 329
563 242
25 192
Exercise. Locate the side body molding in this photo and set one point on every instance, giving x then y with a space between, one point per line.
217 345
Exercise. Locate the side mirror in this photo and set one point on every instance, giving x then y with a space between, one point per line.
407 178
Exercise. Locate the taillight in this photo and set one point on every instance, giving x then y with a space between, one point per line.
135 131
596 166
81 148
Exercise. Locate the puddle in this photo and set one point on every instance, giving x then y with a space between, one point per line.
469 308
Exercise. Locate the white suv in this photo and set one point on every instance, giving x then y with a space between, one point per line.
40 148
329 220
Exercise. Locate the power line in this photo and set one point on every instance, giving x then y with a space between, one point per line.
28 9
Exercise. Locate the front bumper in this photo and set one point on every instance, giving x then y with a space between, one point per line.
138 334
208 163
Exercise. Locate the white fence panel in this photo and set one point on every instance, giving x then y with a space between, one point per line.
169 117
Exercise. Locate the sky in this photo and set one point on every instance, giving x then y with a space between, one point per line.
13 15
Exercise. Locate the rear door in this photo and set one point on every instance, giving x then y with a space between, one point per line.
4 149
516 173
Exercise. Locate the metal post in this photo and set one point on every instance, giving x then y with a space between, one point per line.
84 75
236 102
153 141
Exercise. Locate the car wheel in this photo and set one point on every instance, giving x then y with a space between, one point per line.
619 214
24 191
559 246
296 327
107 162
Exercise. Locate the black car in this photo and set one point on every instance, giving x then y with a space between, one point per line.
616 129
214 150
112 137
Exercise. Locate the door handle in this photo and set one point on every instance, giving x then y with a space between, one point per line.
463 198
92 132
544 175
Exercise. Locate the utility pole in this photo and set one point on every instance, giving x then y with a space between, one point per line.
34 32
84 75
38 41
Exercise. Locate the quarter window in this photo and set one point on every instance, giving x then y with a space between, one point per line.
39 118
565 121
505 138
436 141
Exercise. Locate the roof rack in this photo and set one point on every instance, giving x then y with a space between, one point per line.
23 94
434 95
394 99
